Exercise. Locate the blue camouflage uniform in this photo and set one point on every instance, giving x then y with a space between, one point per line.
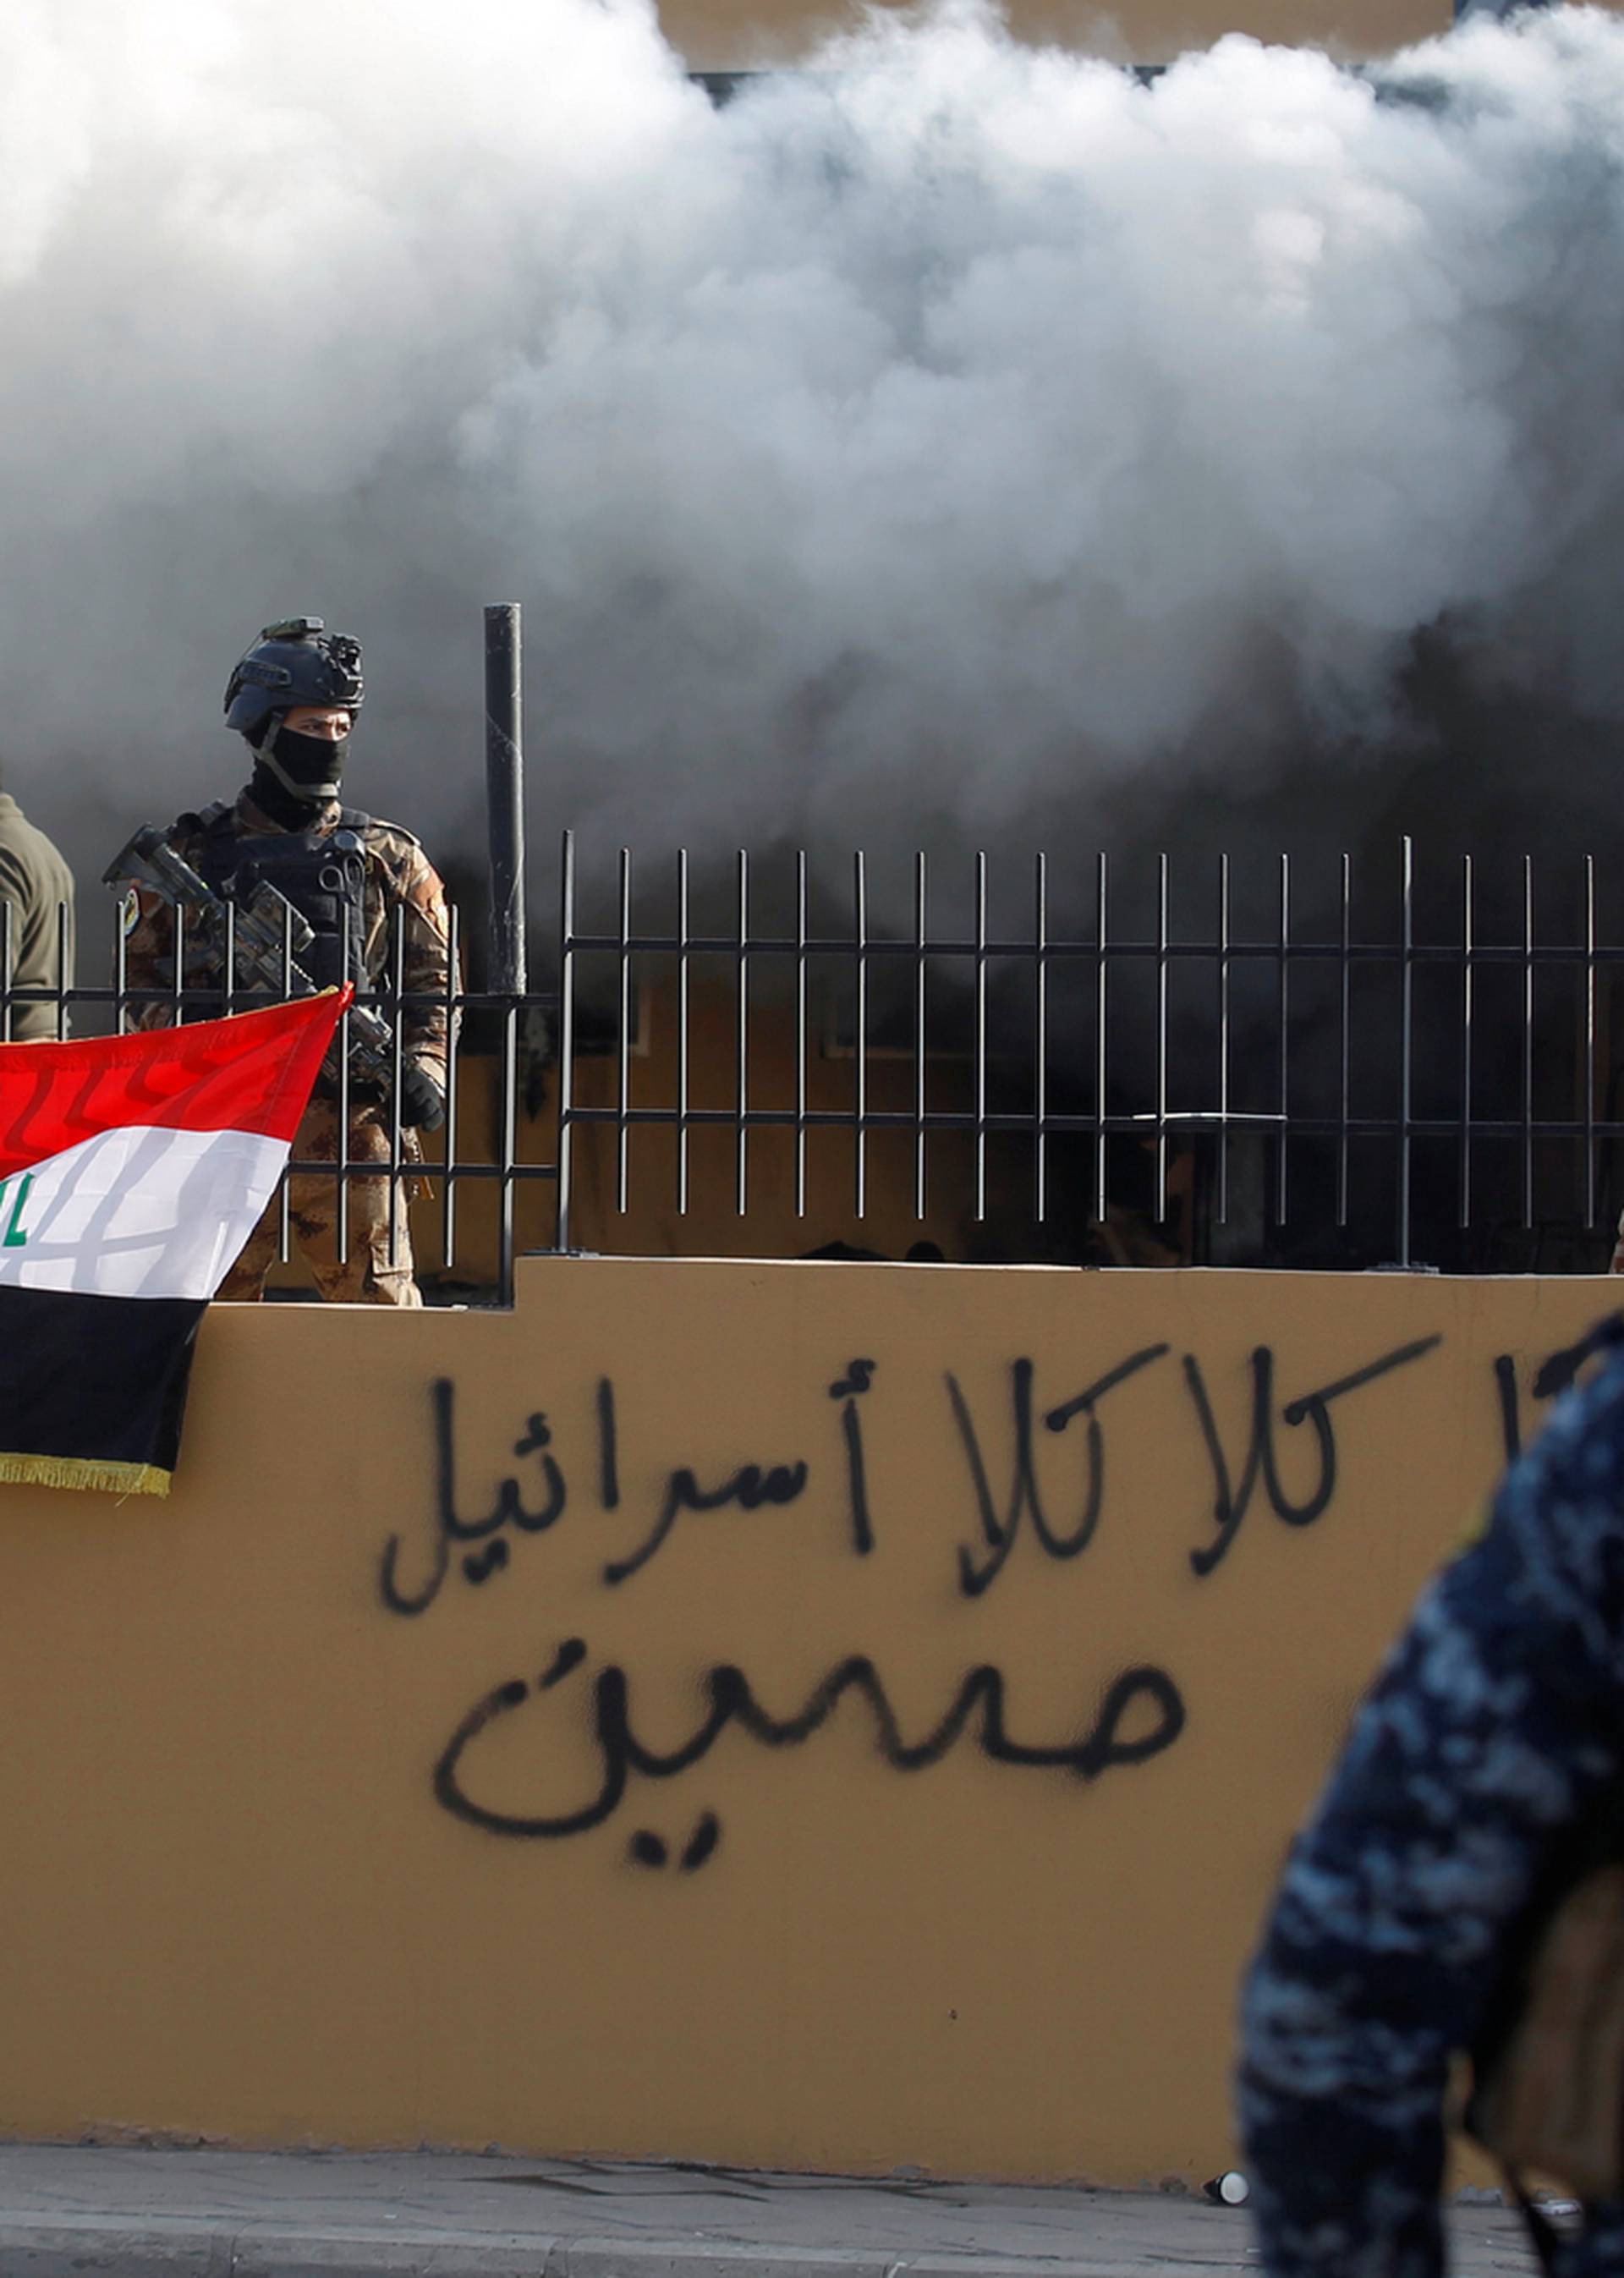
1497 1722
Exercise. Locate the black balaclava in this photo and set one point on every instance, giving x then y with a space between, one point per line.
295 775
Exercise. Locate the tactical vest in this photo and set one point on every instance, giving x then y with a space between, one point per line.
322 873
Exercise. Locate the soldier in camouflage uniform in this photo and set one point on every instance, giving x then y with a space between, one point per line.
293 697
1495 1725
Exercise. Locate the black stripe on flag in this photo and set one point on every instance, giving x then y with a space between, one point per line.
94 1380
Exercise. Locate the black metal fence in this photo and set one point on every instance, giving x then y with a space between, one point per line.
1198 1063
403 1173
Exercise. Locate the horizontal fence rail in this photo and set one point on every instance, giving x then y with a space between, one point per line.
442 1169
1322 1059
1119 1064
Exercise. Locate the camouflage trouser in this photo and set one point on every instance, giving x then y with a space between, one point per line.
368 1275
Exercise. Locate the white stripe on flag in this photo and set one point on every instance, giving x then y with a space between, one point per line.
140 1211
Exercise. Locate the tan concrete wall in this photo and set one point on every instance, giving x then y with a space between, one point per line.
232 1901
722 34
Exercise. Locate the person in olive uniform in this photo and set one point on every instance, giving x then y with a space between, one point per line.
38 886
293 698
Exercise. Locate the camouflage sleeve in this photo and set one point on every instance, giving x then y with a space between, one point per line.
427 943
1494 1724
149 949
148 955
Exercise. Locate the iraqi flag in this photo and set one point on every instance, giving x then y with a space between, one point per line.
132 1169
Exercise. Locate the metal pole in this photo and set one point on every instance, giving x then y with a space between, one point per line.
566 1033
505 797
1406 1056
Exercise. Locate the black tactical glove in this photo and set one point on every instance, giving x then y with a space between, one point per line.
422 1103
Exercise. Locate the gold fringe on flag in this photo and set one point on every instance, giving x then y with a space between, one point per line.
84 1472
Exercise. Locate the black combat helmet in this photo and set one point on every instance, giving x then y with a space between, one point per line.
295 661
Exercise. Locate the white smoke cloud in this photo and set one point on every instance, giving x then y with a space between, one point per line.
917 445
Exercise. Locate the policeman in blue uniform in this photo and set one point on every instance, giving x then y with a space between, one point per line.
1496 1726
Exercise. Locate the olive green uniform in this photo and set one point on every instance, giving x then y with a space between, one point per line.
37 886
378 1270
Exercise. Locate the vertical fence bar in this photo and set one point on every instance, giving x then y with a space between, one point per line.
8 966
1527 1043
285 1200
1161 1149
1344 1040
453 1046
1469 989
741 1070
397 1022
860 1085
1039 1027
1224 1039
505 796
228 962
980 1071
1590 1042
504 806
683 960
1405 1038
178 971
507 1127
1101 994
622 1056
342 1166
1283 967
65 977
565 1038
121 959
920 993
801 901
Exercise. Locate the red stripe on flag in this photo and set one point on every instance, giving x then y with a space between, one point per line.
251 1072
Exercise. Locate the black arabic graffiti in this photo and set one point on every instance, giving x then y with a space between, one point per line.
1234 1494
1550 1377
749 1486
732 1701
753 1485
1025 1494
647 1849
850 1390
509 1509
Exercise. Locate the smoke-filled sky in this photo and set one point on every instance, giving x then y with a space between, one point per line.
954 439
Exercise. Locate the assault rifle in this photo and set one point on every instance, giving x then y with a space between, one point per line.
266 929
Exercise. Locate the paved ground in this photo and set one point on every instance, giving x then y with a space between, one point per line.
261 2214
